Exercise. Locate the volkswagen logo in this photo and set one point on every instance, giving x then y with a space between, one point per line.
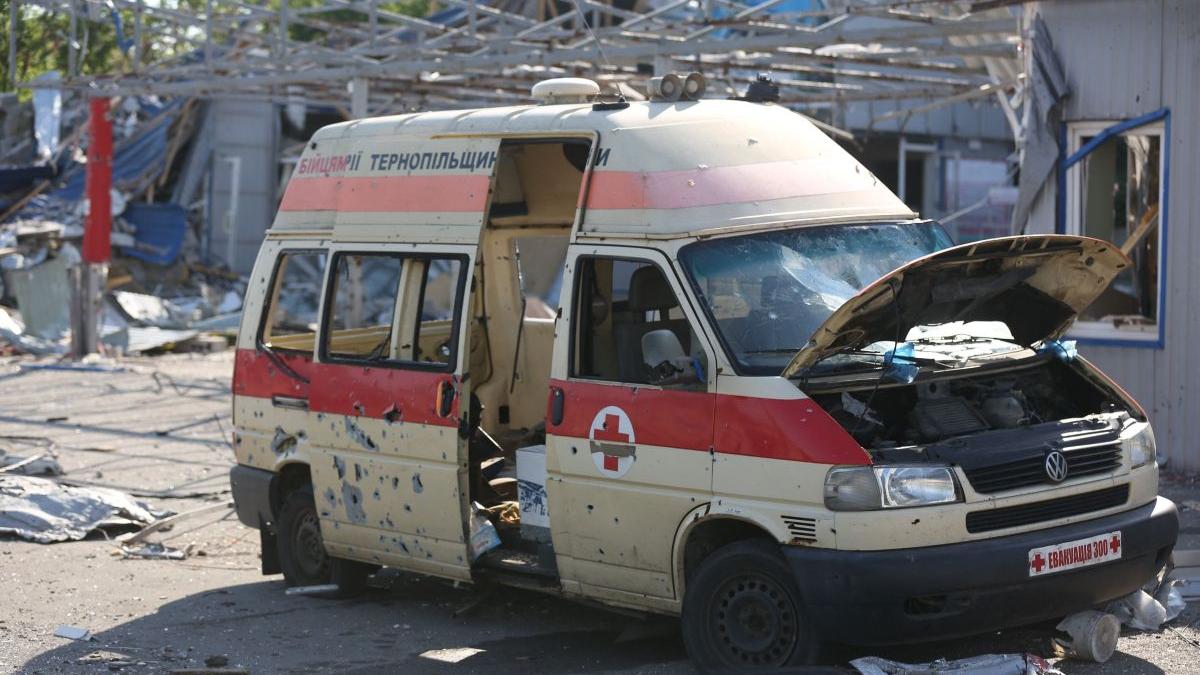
1056 466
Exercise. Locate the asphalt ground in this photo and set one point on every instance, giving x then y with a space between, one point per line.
160 427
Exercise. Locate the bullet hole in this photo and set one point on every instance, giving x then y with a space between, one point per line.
340 465
395 482
416 483
358 472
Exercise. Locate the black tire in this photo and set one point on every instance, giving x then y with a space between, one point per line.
302 554
742 610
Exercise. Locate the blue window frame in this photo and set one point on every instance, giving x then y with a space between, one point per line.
1113 183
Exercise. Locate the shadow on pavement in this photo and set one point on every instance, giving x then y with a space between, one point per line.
258 628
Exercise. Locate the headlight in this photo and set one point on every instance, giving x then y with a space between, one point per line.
852 489
1141 447
868 488
916 485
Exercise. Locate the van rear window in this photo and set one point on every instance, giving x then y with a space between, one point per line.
290 322
393 308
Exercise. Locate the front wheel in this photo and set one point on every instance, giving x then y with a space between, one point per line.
742 610
302 554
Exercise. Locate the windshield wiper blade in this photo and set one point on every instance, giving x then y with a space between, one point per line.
780 350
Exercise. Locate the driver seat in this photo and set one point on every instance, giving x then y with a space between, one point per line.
648 292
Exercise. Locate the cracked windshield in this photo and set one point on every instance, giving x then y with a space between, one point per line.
768 293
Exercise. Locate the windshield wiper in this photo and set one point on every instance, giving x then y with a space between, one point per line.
780 350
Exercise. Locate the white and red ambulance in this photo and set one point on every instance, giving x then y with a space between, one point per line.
687 357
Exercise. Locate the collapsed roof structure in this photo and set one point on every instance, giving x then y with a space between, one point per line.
825 54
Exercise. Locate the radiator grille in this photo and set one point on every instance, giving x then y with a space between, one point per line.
1087 460
1051 509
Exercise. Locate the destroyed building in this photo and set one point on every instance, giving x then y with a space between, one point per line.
1109 152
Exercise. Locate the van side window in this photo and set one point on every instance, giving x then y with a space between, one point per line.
363 306
391 308
435 333
630 327
290 322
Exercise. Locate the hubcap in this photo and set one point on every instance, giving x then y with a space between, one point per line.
754 621
309 548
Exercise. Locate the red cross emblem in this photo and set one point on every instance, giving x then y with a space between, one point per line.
1037 563
1115 543
612 441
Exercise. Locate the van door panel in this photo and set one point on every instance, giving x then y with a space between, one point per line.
626 463
269 402
389 479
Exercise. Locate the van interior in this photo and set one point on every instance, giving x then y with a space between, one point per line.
514 301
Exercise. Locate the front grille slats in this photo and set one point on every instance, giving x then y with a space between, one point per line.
801 528
1086 460
1052 509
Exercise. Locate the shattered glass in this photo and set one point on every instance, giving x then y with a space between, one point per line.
768 292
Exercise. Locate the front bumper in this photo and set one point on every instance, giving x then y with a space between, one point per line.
938 592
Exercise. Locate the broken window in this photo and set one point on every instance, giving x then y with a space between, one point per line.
363 296
438 301
393 308
1114 193
540 261
630 326
290 322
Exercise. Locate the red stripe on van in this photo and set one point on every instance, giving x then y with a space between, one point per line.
339 389
673 419
793 429
386 194
790 429
714 186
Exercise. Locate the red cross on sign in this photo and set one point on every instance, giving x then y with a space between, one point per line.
1115 544
612 441
1037 563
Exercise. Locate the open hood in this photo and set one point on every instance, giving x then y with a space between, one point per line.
1035 284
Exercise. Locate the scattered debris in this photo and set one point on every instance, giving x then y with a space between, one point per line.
1142 611
73 633
154 550
484 536
454 655
42 464
1093 635
990 664
1187 573
318 589
43 511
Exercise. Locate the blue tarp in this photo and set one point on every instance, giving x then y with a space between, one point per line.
132 158
160 232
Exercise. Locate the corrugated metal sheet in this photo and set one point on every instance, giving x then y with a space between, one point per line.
1125 59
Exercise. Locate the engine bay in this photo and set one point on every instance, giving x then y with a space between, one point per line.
938 408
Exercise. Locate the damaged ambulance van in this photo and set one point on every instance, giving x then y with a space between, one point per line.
686 357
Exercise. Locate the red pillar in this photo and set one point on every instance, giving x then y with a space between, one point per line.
97 247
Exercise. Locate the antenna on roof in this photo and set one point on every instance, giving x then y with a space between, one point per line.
587 24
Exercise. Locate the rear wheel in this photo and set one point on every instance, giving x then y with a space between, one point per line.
742 610
302 552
